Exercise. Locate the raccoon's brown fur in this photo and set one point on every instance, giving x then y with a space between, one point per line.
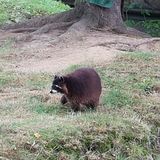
80 88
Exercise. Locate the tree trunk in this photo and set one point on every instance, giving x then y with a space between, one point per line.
102 17
81 18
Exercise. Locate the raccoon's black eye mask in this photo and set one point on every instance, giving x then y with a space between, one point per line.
56 86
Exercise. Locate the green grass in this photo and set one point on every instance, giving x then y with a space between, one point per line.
27 81
118 98
129 81
151 27
96 139
90 134
39 104
38 81
18 10
74 67
123 128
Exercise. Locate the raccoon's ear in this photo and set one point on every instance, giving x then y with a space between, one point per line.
55 77
61 79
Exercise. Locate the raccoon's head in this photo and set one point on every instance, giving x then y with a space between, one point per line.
59 85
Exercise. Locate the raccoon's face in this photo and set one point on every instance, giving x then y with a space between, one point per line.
58 85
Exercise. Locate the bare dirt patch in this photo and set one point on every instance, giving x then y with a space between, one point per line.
44 53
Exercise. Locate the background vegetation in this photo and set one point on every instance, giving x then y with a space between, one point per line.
18 10
152 27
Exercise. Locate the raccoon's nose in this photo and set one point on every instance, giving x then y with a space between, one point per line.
51 91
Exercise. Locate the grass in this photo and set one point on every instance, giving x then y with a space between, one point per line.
117 98
18 10
151 27
34 125
129 82
18 80
95 138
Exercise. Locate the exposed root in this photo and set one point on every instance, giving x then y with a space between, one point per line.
127 46
45 29
34 22
21 30
53 26
38 22
130 31
148 41
75 22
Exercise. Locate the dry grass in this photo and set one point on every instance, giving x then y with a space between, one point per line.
33 125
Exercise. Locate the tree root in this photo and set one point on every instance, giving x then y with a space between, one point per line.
76 21
53 26
44 29
148 41
37 22
22 30
126 46
130 31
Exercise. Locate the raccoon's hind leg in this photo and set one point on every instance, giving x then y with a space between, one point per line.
75 107
63 100
92 105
